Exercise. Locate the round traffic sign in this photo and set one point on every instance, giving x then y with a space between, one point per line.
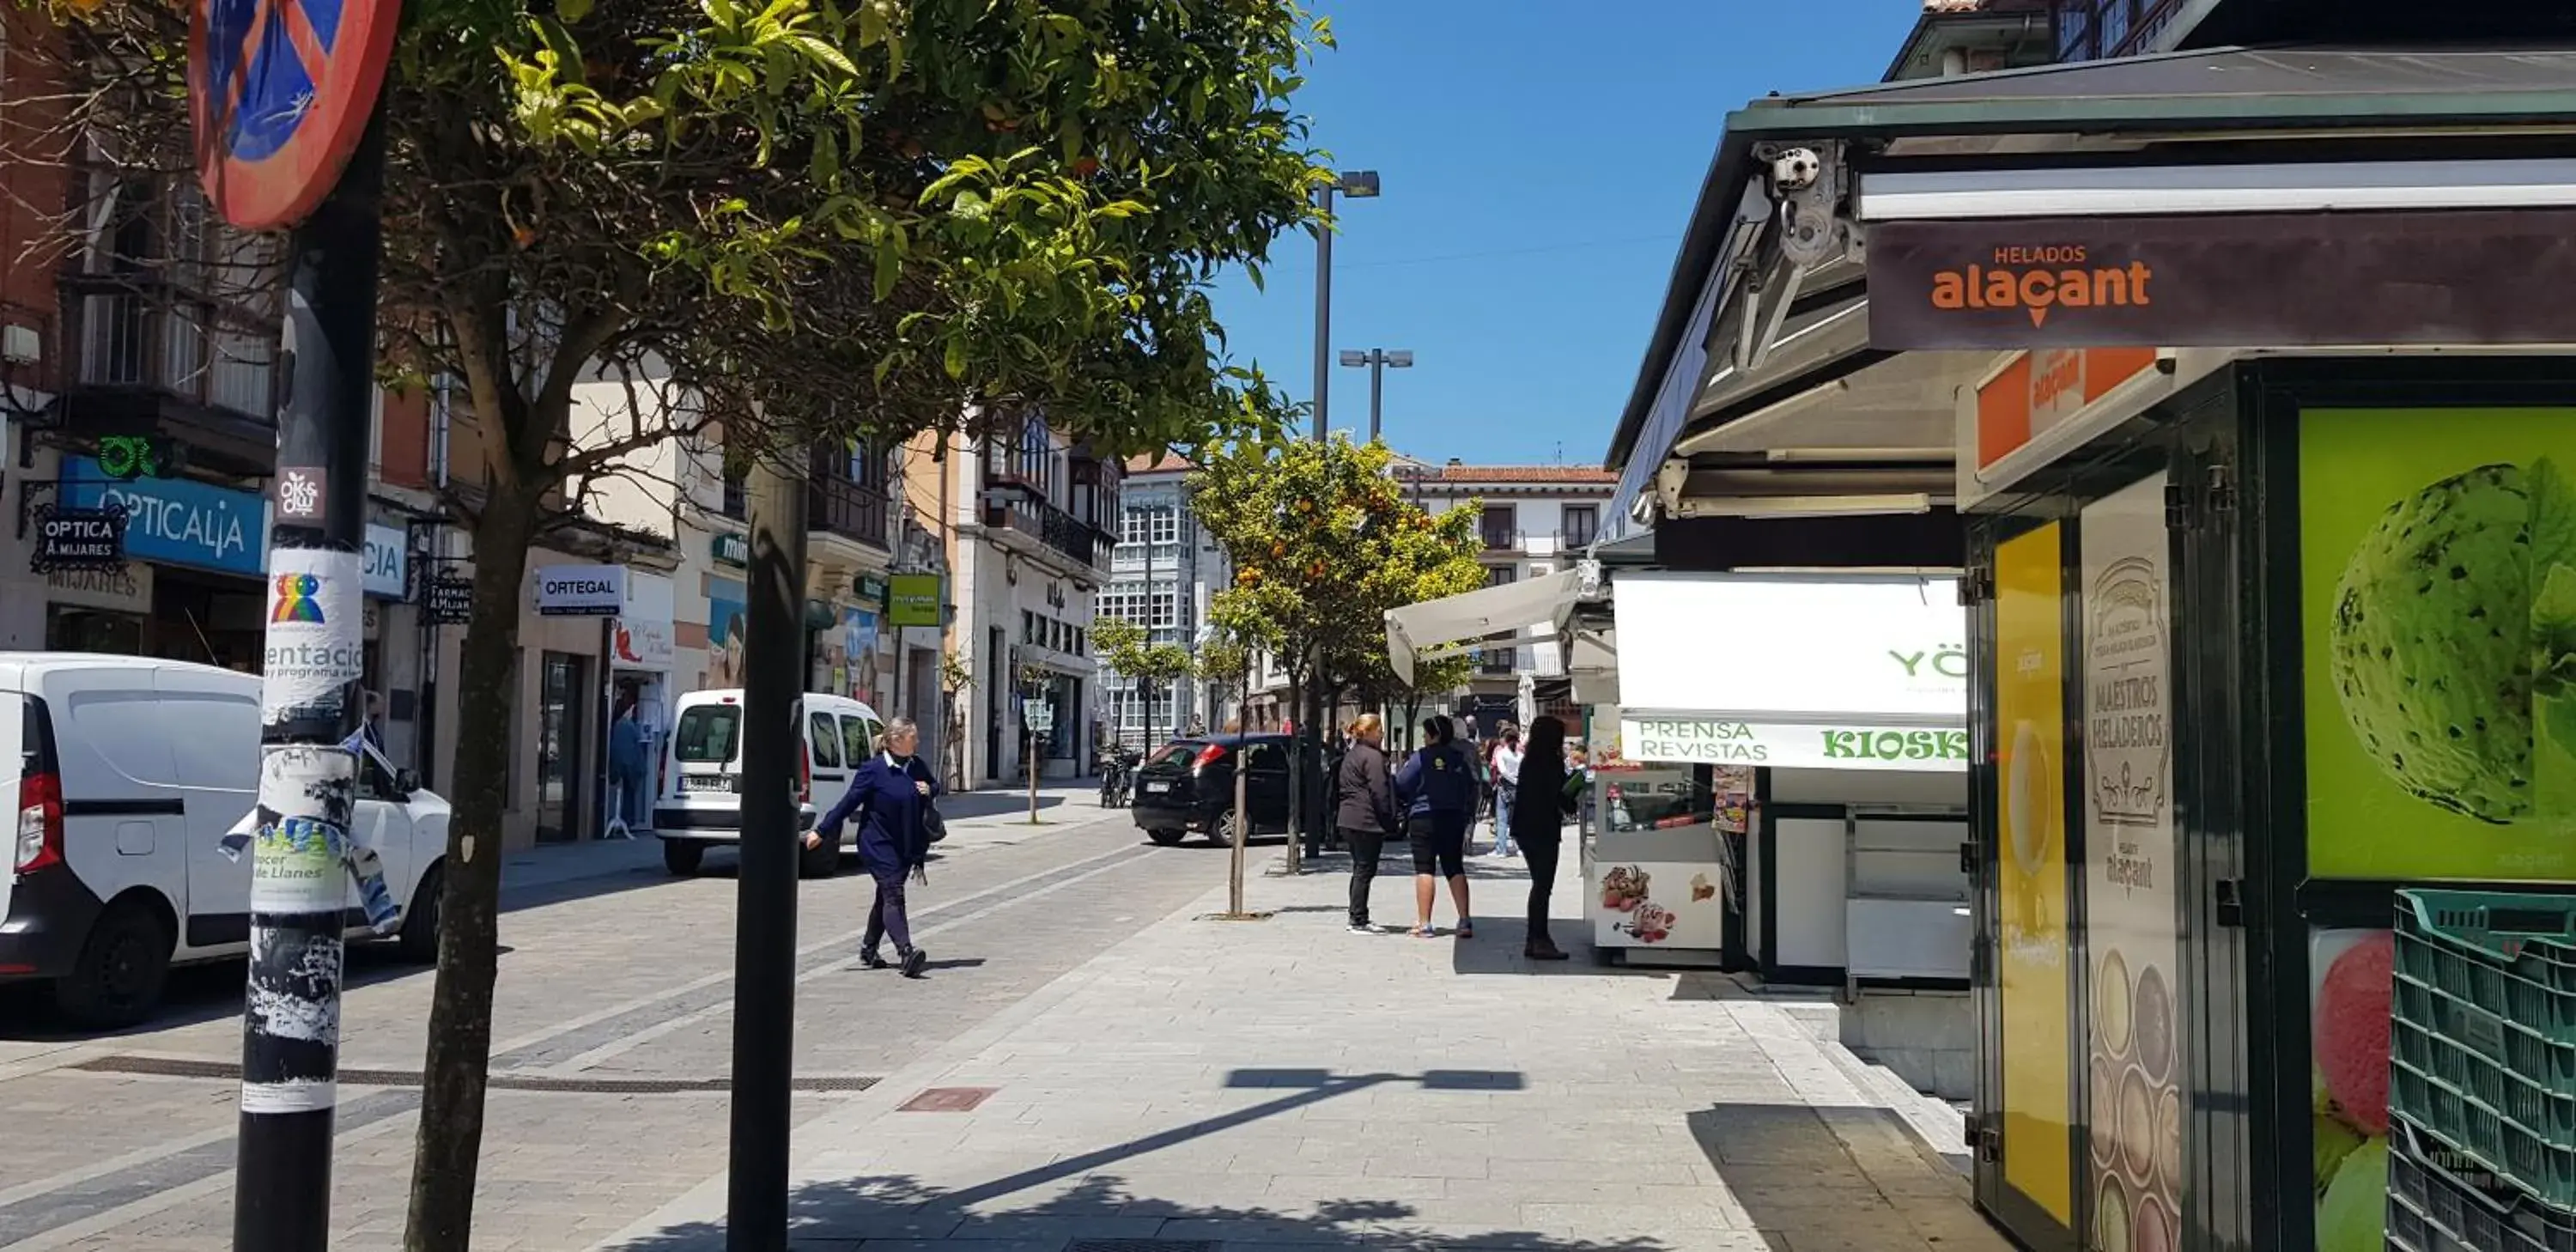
280 91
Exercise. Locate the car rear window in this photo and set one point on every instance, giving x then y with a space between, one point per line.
707 734
1185 749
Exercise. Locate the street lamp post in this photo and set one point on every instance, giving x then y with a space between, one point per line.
1378 361
1358 185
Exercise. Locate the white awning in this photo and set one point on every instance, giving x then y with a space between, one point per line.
1509 612
1842 671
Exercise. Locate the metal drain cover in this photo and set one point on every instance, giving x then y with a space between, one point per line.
947 1100
1143 1245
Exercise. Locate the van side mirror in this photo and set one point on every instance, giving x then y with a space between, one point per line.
406 782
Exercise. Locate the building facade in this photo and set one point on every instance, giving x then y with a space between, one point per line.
1030 519
1162 574
1532 520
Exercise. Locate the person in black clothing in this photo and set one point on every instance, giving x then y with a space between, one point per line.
1436 787
1538 826
1364 809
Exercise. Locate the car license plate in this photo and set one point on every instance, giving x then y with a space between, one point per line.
706 782
1152 787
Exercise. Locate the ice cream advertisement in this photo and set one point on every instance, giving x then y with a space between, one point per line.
2030 805
2438 618
2348 996
2133 1053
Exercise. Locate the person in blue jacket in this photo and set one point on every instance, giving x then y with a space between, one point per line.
1437 788
888 795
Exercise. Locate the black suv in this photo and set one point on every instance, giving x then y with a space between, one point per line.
1188 785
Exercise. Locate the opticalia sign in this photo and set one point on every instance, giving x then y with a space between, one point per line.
175 521
581 590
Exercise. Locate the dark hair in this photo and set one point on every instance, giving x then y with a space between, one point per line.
1437 729
1546 737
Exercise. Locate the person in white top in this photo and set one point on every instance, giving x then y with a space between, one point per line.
1506 768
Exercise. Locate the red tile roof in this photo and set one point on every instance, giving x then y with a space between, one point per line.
1158 463
1513 474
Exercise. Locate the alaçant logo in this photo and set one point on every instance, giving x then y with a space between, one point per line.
2036 279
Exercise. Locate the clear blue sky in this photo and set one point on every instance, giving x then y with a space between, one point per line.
1540 161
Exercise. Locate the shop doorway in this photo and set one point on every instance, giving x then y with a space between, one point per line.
563 700
211 619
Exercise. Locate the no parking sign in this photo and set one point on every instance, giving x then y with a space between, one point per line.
280 91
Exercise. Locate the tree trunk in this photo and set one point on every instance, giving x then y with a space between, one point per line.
448 1147
1297 815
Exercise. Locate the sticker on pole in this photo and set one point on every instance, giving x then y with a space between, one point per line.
316 638
279 91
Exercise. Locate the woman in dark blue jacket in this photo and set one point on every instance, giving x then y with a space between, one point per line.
888 795
1437 787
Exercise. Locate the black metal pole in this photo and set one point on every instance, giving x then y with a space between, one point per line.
1377 390
299 835
764 1015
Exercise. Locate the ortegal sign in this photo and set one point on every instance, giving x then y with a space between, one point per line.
581 590
1721 741
2225 280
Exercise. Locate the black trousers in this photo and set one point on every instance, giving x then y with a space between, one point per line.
1540 856
886 916
1365 847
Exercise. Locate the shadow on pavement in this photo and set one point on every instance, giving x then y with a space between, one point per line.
854 1213
1840 1176
1084 1198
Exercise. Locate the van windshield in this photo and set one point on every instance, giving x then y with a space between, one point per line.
707 733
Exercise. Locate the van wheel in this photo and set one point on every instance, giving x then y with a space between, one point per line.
117 980
682 858
1167 838
820 861
417 941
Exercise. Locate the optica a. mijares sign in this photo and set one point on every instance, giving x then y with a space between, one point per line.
2466 276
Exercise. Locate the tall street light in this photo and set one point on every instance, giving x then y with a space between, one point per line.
1378 361
1358 185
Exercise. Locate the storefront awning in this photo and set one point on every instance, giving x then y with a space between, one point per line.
1772 379
1538 609
1793 670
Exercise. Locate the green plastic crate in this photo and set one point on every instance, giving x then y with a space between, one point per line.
2483 1039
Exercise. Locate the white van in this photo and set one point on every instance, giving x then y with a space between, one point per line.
125 774
701 800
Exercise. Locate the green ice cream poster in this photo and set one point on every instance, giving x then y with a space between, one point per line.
2438 621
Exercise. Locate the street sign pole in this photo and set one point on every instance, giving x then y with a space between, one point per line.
292 138
302 849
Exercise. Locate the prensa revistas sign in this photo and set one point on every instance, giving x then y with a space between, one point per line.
581 590
1723 741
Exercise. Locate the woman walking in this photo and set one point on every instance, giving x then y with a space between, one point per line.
1538 825
1505 766
1364 810
889 796
1437 786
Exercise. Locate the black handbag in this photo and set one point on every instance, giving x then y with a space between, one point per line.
933 827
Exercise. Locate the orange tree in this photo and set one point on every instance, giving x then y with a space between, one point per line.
1323 543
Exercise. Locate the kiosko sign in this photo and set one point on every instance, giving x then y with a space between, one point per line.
581 590
2274 279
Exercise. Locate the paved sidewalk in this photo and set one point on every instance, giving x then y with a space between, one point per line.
1283 1084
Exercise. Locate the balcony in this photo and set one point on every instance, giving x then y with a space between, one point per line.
850 510
1012 505
1496 661
151 355
1500 539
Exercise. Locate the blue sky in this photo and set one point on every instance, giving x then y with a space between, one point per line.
1540 160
